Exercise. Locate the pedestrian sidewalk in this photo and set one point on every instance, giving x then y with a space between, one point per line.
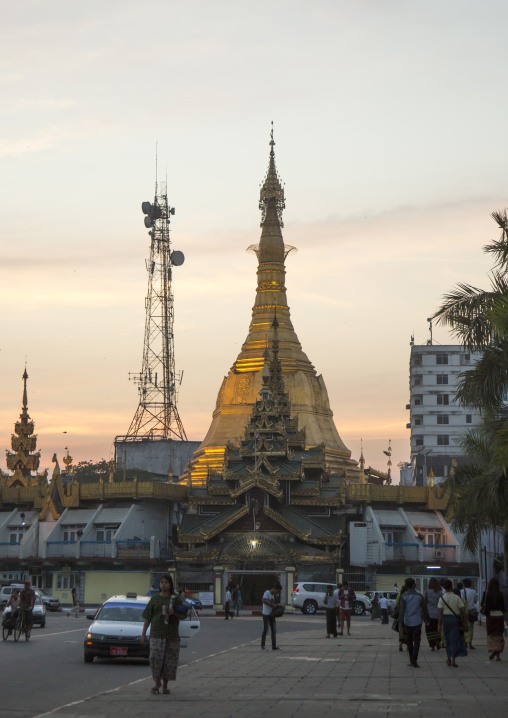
363 675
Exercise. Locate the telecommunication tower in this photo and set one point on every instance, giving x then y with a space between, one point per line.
157 415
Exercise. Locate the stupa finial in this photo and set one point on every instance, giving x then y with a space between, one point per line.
25 396
272 190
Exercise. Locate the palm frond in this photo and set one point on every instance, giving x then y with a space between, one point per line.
499 247
484 386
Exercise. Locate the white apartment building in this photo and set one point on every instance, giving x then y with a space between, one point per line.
437 420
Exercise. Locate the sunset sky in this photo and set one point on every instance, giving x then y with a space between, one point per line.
390 129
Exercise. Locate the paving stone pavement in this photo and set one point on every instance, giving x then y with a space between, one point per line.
364 675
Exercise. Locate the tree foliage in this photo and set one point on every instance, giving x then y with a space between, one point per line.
88 472
479 320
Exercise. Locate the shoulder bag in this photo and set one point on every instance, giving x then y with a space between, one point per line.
459 620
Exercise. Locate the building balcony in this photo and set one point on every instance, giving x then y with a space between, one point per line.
62 549
10 550
445 553
97 549
401 551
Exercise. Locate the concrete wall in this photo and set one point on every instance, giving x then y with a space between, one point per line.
100 585
156 456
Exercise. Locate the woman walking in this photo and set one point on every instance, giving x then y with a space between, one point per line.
75 604
431 597
452 618
493 608
161 614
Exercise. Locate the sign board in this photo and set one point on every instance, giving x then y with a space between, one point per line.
206 598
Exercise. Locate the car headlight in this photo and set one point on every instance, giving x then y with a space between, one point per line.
96 636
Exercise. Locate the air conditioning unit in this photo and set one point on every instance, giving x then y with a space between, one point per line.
440 554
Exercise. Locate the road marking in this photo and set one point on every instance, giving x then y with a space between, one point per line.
133 683
60 633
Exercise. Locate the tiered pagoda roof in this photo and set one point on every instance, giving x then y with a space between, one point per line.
271 484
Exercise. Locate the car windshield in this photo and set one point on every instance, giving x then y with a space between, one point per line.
131 612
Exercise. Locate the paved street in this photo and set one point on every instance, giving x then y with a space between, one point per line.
363 675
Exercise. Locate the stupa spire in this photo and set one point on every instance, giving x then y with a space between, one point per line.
289 367
272 190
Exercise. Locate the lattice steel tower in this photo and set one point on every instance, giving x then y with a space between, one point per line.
157 415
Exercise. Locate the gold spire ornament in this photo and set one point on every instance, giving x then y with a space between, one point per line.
23 459
240 388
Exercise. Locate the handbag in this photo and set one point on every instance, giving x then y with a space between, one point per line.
277 612
395 625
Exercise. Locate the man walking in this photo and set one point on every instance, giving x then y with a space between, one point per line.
383 606
227 604
269 604
346 597
331 602
412 612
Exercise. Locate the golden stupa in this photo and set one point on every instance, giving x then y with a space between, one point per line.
240 388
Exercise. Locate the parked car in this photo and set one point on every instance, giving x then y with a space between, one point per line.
51 603
309 596
117 626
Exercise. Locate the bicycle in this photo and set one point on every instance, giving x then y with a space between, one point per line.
21 627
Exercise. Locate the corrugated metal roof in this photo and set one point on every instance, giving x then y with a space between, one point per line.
425 519
78 516
111 516
386 517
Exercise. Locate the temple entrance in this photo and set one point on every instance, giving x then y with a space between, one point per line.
253 585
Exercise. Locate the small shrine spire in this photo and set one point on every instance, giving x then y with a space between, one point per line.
272 190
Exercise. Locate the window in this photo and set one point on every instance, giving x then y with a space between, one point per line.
418 400
469 418
441 358
443 399
417 381
417 361
443 440
418 421
64 583
104 534
467 357
72 533
419 441
442 378
443 419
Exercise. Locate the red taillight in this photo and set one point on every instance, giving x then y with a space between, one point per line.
295 590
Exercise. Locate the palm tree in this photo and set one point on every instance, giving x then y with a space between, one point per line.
479 489
478 318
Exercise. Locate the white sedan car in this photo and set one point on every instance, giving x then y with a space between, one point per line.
117 626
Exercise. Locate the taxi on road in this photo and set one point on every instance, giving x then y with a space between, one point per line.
117 626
